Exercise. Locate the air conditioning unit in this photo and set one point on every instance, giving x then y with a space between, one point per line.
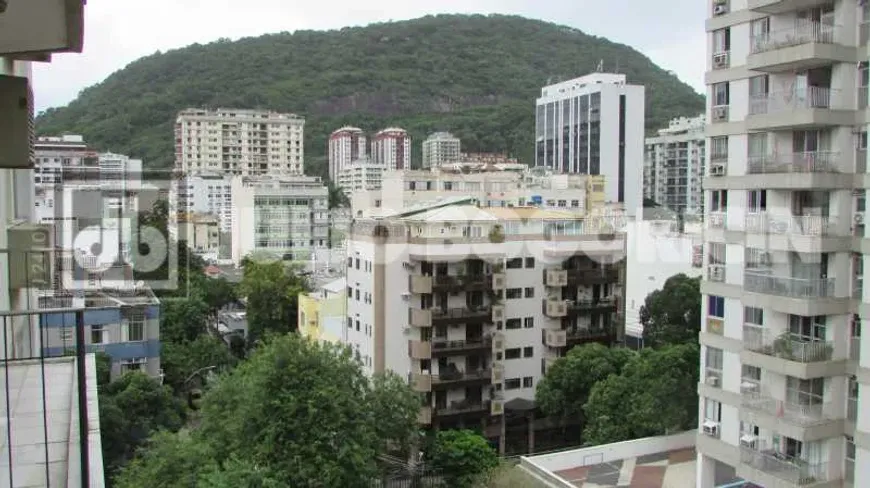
859 218
720 113
750 441
720 60
713 380
711 428
720 9
717 170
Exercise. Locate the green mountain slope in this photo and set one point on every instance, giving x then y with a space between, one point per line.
477 76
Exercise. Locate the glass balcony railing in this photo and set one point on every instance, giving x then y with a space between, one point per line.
798 162
786 346
791 100
789 469
784 286
804 225
802 413
802 33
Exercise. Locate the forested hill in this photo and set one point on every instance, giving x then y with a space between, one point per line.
477 76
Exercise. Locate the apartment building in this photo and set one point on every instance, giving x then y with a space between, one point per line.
783 401
65 404
203 193
489 186
673 168
594 125
473 304
202 232
239 142
323 312
361 175
284 217
391 148
441 148
346 145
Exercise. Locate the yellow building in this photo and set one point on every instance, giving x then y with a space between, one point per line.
322 313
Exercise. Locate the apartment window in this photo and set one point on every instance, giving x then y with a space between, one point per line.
356 294
719 200
357 263
530 292
759 33
721 94
512 384
135 331
721 41
513 293
349 323
135 364
528 381
529 322
750 377
850 459
758 87
515 263
712 410
528 352
716 306
513 353
575 203
511 324
719 148
357 325
804 392
713 359
756 200
752 315
530 262
97 334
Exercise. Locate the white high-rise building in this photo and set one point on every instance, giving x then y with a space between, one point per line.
474 304
784 395
362 175
204 193
673 168
391 148
239 142
346 145
441 148
594 125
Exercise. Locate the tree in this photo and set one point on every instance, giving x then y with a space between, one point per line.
272 290
183 319
167 461
672 315
217 293
654 395
337 197
395 409
301 410
236 473
564 390
463 457
131 409
181 359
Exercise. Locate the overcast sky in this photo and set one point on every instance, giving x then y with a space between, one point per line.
119 31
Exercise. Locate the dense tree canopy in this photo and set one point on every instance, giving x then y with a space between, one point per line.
272 291
462 457
179 360
474 75
672 315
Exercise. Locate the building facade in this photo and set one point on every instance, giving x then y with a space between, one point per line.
441 148
204 193
346 145
286 218
239 142
783 398
391 148
473 304
361 175
323 312
673 168
594 125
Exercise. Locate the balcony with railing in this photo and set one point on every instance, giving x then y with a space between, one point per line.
468 282
803 225
795 162
554 308
420 349
463 407
443 347
604 274
586 305
796 35
791 100
803 45
602 335
786 345
801 413
811 106
784 286
474 314
794 471
716 273
453 377
555 338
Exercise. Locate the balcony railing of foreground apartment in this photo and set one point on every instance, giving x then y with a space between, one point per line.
32 415
460 407
716 220
481 313
797 412
798 99
605 274
804 225
454 378
801 33
786 345
855 349
799 162
792 470
468 282
716 272
802 288
442 347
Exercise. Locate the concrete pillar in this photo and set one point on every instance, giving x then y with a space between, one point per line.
705 472
531 421
501 435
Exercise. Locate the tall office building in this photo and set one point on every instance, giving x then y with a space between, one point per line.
239 142
441 148
673 168
783 400
391 148
594 125
346 145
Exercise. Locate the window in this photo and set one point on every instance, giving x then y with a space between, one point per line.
356 294
530 292
135 330
759 31
575 203
712 410
515 263
513 293
750 377
357 263
135 364
756 200
512 384
804 392
758 87
752 315
357 325
721 94
713 359
512 324
719 148
528 352
528 381
349 323
716 306
719 200
530 262
97 333
529 322
513 353
850 459
721 41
